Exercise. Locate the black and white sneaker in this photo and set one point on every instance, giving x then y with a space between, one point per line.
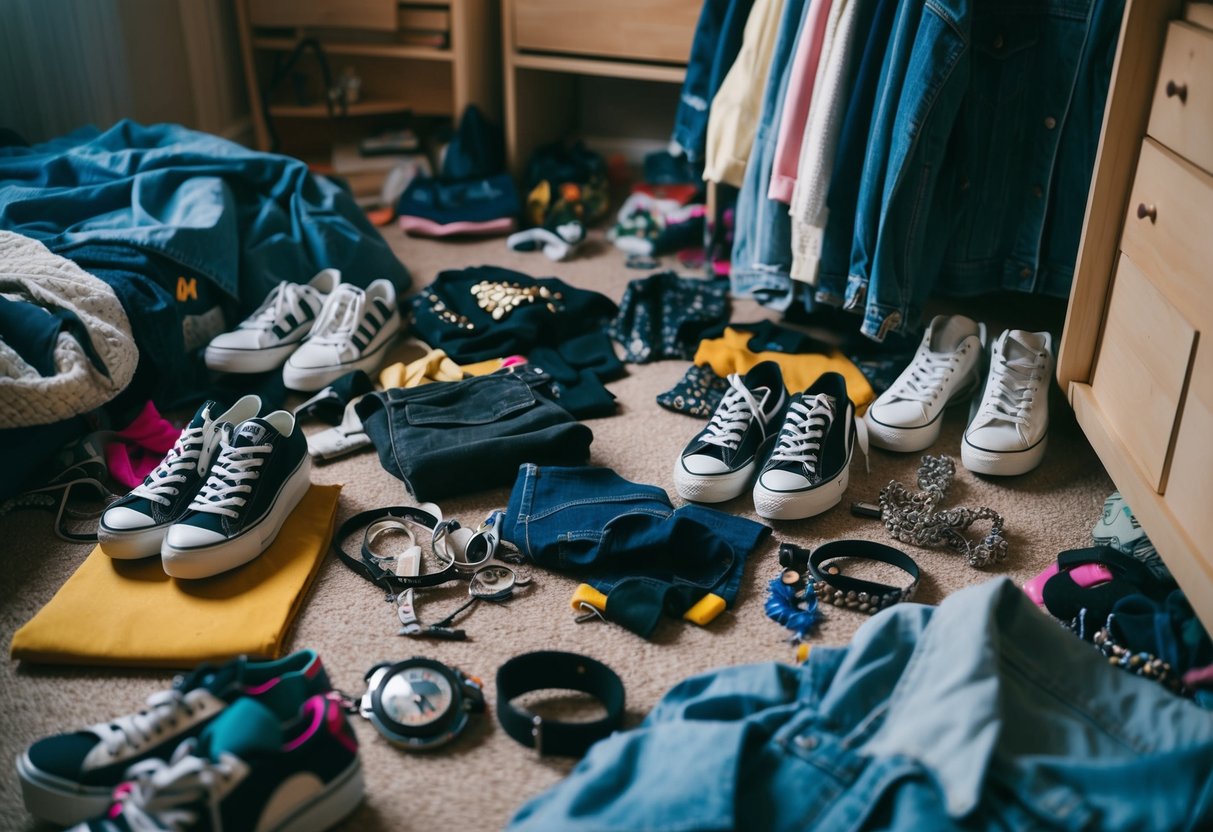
267 337
809 468
258 478
134 526
719 463
353 332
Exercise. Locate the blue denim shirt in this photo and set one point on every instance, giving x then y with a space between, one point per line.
981 714
980 152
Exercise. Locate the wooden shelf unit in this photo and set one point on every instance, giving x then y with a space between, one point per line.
397 78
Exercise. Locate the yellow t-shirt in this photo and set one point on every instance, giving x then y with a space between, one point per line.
433 366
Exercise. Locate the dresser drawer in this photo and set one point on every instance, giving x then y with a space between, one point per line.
1191 479
1168 230
347 14
1141 368
1182 115
645 30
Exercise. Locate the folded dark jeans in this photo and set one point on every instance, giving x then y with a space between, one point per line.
628 541
448 439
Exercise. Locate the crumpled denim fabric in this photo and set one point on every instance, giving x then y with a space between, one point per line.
443 440
628 541
762 241
981 714
664 316
982 142
714 48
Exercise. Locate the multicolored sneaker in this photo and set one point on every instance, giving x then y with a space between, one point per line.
244 773
68 778
135 525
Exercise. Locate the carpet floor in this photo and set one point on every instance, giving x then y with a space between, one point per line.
477 782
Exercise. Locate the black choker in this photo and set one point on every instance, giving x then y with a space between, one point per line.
854 593
553 669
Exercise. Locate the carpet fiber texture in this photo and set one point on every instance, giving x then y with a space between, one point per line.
477 782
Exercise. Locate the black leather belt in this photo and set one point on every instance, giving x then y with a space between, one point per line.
553 669
832 587
365 564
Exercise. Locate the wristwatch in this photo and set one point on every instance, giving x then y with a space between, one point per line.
420 704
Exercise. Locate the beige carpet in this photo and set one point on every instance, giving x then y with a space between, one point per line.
482 778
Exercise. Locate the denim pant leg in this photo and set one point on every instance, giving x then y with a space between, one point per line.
717 40
762 247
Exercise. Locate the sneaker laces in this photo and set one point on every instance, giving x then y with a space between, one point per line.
191 451
733 415
339 317
231 476
285 299
803 429
163 795
1009 395
164 709
925 376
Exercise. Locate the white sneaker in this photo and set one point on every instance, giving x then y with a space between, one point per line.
1011 429
947 368
267 337
353 332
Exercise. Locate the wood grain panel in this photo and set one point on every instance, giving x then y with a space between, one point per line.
645 30
1190 485
348 14
1182 116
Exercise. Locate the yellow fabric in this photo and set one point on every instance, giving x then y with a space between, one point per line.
730 354
129 613
735 110
703 612
433 366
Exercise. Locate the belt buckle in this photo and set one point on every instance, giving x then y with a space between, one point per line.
537 733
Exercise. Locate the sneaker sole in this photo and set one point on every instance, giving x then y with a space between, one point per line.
59 801
798 505
712 488
131 545
338 800
311 379
225 360
997 464
207 561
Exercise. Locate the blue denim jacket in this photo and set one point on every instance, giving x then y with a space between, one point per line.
980 152
981 714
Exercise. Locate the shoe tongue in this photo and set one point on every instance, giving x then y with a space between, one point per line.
253 432
761 394
246 728
209 410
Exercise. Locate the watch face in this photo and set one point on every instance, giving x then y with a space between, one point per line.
417 696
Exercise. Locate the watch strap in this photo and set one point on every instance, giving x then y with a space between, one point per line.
555 669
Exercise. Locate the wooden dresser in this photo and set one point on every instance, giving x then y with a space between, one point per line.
1136 357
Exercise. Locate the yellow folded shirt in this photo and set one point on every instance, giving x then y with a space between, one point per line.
433 366
730 353
129 613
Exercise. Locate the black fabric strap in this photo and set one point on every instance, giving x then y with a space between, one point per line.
856 593
367 568
553 669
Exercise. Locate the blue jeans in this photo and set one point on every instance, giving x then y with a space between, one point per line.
628 541
762 241
981 714
717 41
963 183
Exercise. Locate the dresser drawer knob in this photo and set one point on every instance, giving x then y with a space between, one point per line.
1179 91
1145 211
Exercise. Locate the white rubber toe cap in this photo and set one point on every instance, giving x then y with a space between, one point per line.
702 464
900 414
123 519
783 481
183 536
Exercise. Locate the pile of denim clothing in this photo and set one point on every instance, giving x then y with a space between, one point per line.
886 150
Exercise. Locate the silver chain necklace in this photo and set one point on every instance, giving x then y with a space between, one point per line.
915 517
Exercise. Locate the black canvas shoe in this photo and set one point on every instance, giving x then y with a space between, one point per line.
68 778
255 483
809 468
135 525
719 463
244 773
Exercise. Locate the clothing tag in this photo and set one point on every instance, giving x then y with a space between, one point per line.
252 430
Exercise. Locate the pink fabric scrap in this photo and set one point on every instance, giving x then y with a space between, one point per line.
140 446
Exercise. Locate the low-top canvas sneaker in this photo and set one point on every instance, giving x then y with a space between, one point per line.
134 526
720 462
267 337
1009 434
246 773
68 778
353 332
946 370
809 468
256 481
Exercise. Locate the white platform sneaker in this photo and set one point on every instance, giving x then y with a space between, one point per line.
353 332
1011 429
267 337
946 369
